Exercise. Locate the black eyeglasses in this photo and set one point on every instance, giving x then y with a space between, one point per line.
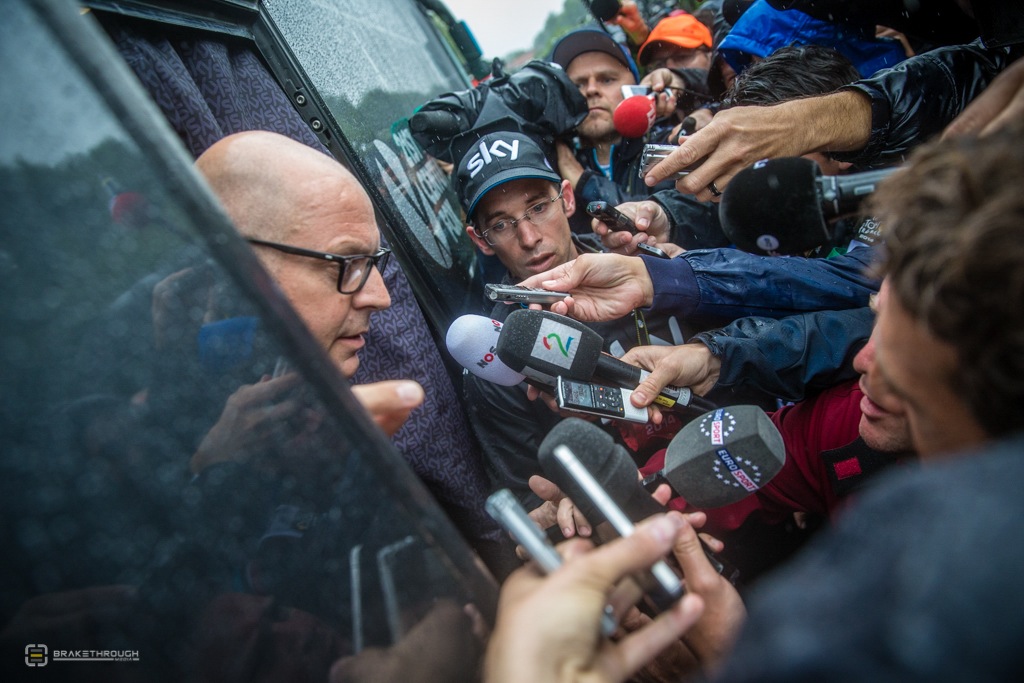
353 271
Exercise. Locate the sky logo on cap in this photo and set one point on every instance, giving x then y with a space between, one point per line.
499 149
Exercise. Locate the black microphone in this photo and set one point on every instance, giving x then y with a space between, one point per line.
548 344
604 9
564 455
782 206
613 468
722 457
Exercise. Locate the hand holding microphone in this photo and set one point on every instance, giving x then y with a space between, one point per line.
688 365
552 345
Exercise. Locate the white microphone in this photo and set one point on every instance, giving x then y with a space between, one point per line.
472 340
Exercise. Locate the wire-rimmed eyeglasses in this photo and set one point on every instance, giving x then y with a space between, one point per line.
353 270
538 214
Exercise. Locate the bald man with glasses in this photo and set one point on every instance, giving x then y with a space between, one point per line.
313 228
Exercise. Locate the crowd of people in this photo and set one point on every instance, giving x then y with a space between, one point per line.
877 350
883 350
890 357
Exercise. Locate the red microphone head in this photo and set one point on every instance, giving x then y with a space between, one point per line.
634 116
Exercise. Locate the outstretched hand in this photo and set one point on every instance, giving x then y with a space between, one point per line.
602 286
737 138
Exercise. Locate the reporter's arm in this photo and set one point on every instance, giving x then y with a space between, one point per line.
736 138
602 286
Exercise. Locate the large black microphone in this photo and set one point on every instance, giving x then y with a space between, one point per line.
612 467
722 457
604 9
561 457
782 206
549 345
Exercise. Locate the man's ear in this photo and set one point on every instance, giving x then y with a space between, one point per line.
479 241
568 198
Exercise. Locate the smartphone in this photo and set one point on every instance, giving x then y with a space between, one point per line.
597 399
611 217
617 220
632 90
523 295
652 155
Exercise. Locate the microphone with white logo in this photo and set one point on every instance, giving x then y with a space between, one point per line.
722 457
471 340
782 206
546 345
614 469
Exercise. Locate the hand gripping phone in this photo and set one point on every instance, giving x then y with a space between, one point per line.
617 220
652 155
522 295
597 399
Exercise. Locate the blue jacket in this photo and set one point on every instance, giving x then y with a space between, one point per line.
786 358
763 29
725 284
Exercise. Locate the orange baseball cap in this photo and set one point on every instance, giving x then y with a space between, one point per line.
683 30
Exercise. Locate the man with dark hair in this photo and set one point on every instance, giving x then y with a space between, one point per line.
951 330
518 209
791 72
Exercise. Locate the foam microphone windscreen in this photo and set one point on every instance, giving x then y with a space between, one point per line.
549 343
634 116
605 9
723 456
774 207
605 460
471 340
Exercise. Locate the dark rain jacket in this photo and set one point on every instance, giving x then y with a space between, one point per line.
914 100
